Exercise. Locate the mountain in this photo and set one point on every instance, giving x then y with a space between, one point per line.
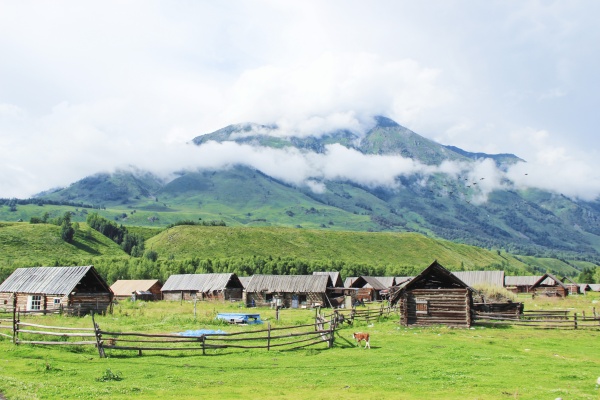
528 222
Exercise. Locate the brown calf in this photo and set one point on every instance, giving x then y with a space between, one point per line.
359 337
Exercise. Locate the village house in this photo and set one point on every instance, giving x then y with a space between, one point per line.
72 290
225 286
141 289
434 297
294 291
549 285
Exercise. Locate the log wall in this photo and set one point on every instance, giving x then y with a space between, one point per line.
425 307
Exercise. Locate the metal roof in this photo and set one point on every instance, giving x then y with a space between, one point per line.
245 280
520 280
46 280
549 280
202 283
349 281
471 278
289 283
125 287
387 281
401 279
595 287
336 279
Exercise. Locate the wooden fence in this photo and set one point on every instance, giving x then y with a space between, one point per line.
7 326
282 338
367 315
542 319
269 338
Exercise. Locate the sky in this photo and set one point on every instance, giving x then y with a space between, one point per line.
88 87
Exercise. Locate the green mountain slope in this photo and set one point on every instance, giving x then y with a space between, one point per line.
41 244
396 249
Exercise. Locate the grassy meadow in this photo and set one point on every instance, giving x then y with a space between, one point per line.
403 363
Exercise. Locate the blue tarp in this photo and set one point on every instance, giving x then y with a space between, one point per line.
200 332
239 318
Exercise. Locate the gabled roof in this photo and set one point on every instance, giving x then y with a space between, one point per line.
472 278
368 282
386 281
520 280
401 279
584 287
202 283
124 287
349 281
244 280
432 277
336 279
548 280
568 281
594 287
49 280
289 283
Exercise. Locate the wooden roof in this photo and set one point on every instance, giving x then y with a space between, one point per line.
548 280
594 287
244 280
349 280
471 278
125 287
433 277
336 279
202 283
289 283
520 280
368 282
50 280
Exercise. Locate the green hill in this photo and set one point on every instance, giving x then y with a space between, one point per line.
394 249
25 244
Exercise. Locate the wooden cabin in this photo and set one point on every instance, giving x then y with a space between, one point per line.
370 287
519 284
434 297
549 285
293 291
141 289
571 285
221 287
72 290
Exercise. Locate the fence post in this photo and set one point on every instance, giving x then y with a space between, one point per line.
99 343
14 325
575 320
16 320
203 345
269 336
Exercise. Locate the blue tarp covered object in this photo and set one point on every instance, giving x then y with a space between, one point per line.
200 332
238 318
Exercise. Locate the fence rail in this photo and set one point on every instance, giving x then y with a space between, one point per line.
541 319
284 337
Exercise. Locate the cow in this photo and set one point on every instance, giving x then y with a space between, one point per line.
359 337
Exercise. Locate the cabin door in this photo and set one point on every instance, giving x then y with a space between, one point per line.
295 301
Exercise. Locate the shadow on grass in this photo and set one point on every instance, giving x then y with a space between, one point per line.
86 248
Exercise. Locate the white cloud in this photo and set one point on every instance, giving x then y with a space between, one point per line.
92 86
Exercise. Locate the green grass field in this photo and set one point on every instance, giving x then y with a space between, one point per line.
404 363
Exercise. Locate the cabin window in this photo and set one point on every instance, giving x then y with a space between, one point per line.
422 306
57 301
269 297
302 298
34 303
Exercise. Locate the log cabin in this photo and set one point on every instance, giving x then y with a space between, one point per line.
220 287
434 297
72 290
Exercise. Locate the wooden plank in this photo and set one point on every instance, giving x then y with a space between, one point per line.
55 327
56 343
58 333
